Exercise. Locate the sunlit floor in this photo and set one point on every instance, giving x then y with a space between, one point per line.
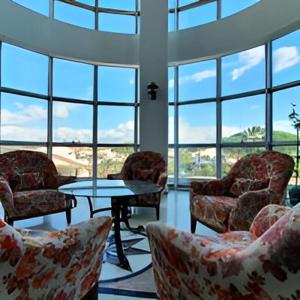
174 211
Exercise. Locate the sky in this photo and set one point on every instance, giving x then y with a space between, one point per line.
26 118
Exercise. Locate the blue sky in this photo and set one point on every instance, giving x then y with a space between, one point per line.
241 72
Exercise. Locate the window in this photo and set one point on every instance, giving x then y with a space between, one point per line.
40 6
286 58
243 120
197 123
244 71
117 23
111 77
74 15
230 7
197 80
23 118
197 16
116 124
66 125
72 80
14 69
118 4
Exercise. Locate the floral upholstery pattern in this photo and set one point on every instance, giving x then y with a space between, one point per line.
234 265
145 166
232 202
28 185
58 265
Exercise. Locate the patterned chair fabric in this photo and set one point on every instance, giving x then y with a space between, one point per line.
28 186
232 202
263 263
58 265
145 166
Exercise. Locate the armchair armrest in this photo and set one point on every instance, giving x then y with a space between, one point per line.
72 256
6 196
61 180
114 176
162 180
248 206
215 187
266 217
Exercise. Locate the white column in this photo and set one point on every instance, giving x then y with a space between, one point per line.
153 59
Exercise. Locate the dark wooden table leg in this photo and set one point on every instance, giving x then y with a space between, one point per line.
123 261
90 206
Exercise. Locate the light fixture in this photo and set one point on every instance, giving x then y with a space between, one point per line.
152 88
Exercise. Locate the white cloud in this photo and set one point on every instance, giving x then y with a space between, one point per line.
67 134
284 125
62 110
196 77
285 57
123 133
25 115
171 83
248 59
21 133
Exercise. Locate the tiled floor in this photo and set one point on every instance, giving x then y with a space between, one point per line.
174 211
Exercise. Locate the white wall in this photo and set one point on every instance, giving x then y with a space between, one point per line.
25 28
254 26
153 60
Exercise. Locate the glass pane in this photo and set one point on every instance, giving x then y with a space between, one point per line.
23 118
286 58
282 107
171 93
185 2
73 161
171 124
171 165
244 71
171 4
72 80
115 125
197 16
197 80
40 6
9 148
72 122
231 155
171 22
291 151
117 23
118 4
197 162
116 84
88 2
197 123
230 7
74 15
243 120
24 70
111 160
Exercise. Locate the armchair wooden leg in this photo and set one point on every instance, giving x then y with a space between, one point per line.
157 212
193 224
68 216
92 294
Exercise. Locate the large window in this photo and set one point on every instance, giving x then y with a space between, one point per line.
83 115
216 117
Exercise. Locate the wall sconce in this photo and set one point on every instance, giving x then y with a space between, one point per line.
152 88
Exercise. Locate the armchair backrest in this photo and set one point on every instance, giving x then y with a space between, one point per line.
34 167
274 166
144 165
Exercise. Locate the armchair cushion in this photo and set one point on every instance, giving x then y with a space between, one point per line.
243 185
27 181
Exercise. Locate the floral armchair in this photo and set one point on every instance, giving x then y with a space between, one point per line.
263 263
58 265
232 202
145 166
28 186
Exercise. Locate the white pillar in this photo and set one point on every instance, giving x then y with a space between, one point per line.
153 59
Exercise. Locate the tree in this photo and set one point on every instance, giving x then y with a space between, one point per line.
253 134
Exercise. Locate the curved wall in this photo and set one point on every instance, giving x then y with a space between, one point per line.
25 28
254 26
264 21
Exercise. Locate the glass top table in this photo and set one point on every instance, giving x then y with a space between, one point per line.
118 190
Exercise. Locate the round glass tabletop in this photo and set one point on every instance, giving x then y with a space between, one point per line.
102 188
